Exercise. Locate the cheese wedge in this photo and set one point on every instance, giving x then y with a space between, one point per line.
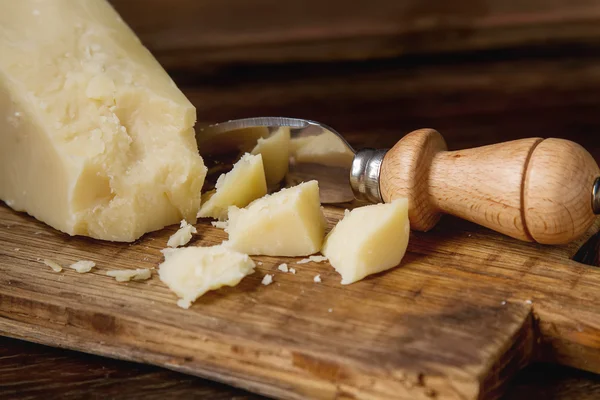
192 271
275 151
95 138
287 223
368 240
239 187
324 149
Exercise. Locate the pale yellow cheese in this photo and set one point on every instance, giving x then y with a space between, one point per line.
368 240
192 271
275 151
126 275
239 187
316 259
56 267
95 138
324 149
287 223
83 266
183 235
267 279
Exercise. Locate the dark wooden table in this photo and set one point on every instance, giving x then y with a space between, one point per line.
473 98
30 371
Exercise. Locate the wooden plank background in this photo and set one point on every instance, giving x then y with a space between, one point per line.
198 33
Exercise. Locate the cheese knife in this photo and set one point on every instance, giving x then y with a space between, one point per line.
537 190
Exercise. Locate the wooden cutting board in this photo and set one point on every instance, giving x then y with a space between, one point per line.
466 309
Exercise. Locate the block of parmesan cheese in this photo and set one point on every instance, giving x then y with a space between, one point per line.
239 187
368 240
275 151
192 271
95 138
287 223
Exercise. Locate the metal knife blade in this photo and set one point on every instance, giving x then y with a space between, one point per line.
316 151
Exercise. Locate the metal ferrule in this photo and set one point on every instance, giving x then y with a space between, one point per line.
364 175
596 197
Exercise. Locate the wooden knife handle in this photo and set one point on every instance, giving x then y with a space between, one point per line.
531 189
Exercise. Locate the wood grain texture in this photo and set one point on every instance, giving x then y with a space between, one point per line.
557 201
405 172
529 189
195 34
453 322
32 371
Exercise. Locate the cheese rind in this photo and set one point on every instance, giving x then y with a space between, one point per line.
192 271
239 187
287 223
275 151
368 240
95 138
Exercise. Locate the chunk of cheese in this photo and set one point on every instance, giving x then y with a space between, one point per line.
83 266
267 280
56 267
183 235
287 223
368 240
126 275
275 151
239 187
325 149
95 138
192 271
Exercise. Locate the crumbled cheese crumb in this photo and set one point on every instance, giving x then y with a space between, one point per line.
140 274
293 271
219 224
330 310
83 266
267 280
182 236
54 265
259 263
317 278
528 301
283 267
503 302
315 259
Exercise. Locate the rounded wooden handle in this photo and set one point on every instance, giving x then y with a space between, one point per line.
531 189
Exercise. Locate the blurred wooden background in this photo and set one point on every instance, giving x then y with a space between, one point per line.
479 71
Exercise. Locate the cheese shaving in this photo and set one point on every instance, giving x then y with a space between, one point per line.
83 266
54 265
182 236
124 275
